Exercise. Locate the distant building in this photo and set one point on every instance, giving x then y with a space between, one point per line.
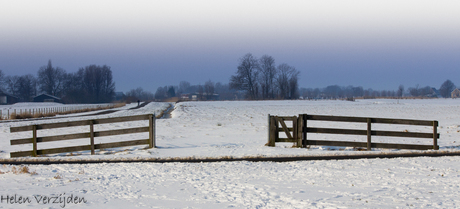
47 98
455 93
7 99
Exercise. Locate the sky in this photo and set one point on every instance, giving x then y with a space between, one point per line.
374 44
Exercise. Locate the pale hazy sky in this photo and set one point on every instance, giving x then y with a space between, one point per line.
374 44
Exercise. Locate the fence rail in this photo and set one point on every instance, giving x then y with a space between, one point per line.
91 135
298 132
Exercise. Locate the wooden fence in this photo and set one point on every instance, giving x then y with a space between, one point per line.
6 113
91 135
298 132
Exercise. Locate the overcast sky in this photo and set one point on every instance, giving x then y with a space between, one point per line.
374 44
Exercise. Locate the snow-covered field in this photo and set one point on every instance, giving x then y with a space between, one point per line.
213 129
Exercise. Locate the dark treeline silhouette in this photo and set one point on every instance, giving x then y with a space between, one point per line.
208 91
262 79
339 92
91 84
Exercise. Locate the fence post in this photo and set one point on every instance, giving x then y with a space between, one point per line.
304 130
294 131
299 131
435 135
152 119
91 136
273 131
369 133
269 130
34 136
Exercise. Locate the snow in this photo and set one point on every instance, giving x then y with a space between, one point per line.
238 129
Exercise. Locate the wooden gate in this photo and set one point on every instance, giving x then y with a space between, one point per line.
292 133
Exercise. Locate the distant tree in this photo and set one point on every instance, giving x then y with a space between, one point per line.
209 90
200 92
333 91
414 91
160 93
2 81
267 72
184 87
73 91
246 76
171 92
11 84
286 80
98 83
400 92
446 89
51 80
26 87
139 94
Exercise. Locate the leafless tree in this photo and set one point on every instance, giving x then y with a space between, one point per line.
139 94
200 92
267 76
98 83
161 92
26 87
400 91
246 76
209 90
184 87
50 79
11 84
2 81
446 89
287 81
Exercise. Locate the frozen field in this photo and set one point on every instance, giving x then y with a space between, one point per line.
213 129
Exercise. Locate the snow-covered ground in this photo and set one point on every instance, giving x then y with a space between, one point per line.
213 129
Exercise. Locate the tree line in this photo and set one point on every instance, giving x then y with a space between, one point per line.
260 78
339 92
90 84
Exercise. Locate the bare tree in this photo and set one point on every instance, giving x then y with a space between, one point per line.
139 94
184 87
414 91
26 87
73 91
246 76
50 79
400 91
160 93
446 89
11 84
267 76
200 92
287 81
98 83
2 81
209 90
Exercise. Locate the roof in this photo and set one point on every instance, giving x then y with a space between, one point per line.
48 96
3 93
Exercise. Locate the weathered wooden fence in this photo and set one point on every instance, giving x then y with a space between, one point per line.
298 132
91 135
6 113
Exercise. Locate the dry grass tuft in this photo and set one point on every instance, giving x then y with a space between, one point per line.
57 176
22 170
